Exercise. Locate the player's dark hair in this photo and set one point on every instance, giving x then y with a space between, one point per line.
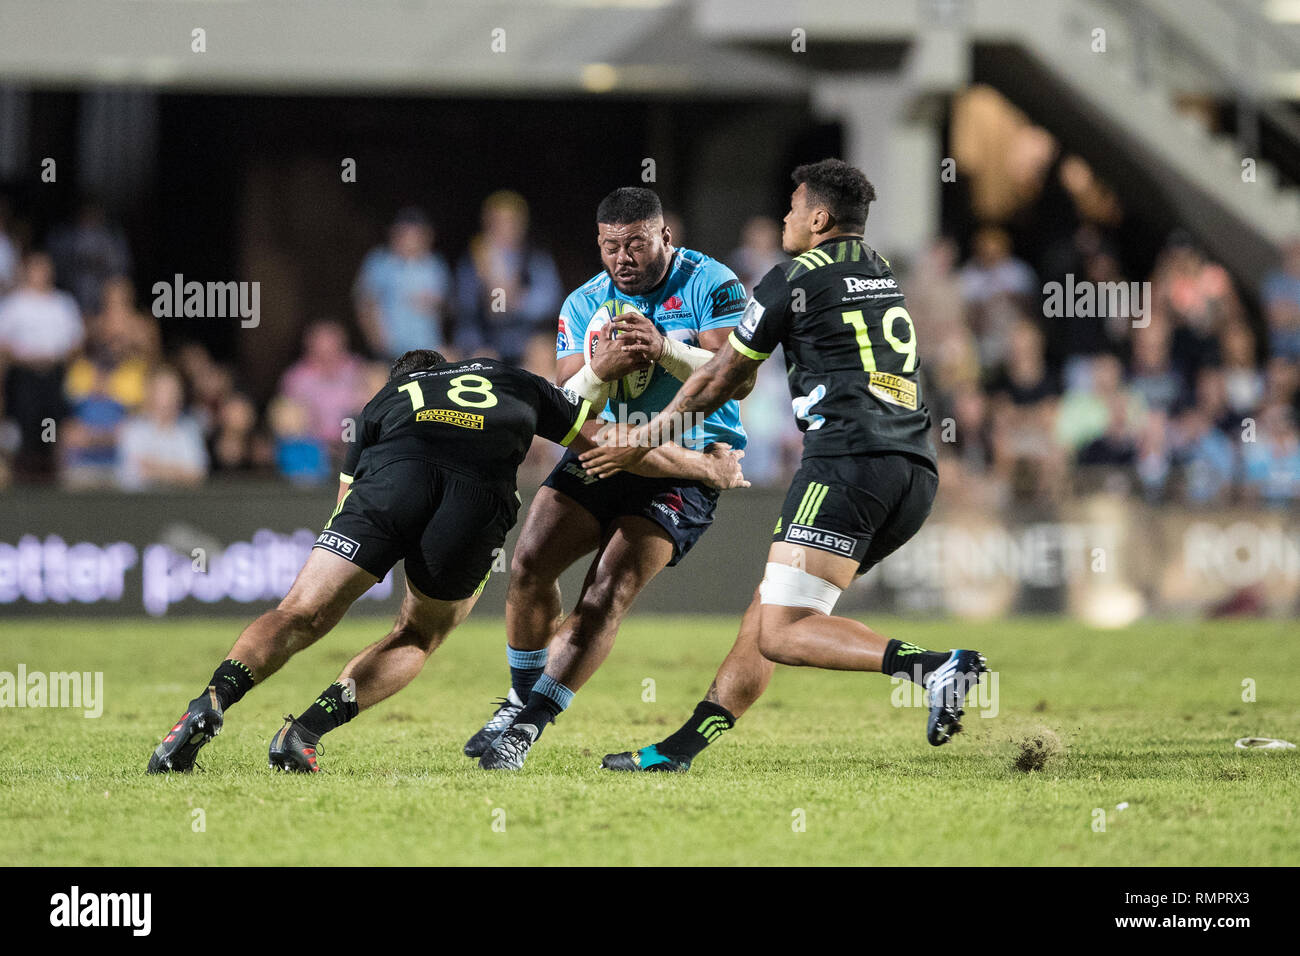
843 189
629 204
416 360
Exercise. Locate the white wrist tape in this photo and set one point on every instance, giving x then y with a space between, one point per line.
588 384
791 587
679 359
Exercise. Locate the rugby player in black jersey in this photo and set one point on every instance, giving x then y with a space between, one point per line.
868 475
430 481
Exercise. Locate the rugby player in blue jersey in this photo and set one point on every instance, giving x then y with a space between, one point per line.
673 309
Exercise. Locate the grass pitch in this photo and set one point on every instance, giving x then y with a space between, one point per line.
826 769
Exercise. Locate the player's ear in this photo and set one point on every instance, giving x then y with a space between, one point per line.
822 220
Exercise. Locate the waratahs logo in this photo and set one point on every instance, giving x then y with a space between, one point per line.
673 303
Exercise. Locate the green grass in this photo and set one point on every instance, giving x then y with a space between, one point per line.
1146 716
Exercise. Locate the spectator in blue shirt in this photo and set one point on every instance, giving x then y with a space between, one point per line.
507 289
1207 456
1281 297
1271 463
403 289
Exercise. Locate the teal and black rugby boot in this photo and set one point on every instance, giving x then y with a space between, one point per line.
510 749
945 693
294 748
647 759
201 722
508 708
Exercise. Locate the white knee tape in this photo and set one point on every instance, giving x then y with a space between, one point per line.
791 587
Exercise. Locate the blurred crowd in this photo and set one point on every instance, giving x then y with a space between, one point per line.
93 397
1173 392
1182 395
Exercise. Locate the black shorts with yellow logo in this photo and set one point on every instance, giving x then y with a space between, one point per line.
863 507
446 526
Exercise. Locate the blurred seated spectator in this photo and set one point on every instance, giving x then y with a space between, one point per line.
774 438
934 300
1281 300
299 455
88 252
1116 446
1197 297
539 356
1154 377
507 289
1154 455
1212 399
972 432
1282 383
759 250
1243 380
139 328
40 331
161 447
327 382
1088 411
1205 456
207 382
9 259
403 289
1271 463
104 386
994 273
1027 459
238 446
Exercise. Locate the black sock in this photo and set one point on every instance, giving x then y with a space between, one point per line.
539 711
336 705
525 668
706 725
231 681
911 661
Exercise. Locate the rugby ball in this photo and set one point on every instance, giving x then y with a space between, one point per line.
633 384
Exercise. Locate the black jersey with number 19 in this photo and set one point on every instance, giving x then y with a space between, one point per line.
850 350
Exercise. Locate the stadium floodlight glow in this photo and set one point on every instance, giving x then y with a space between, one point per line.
1282 11
599 77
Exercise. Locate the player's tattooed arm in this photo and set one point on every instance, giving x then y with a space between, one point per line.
702 394
718 466
710 388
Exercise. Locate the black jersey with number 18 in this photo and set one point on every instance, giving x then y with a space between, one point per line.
850 350
476 417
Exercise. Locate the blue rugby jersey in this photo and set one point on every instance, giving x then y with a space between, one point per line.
699 293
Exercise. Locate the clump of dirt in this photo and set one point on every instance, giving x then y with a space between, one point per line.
1036 749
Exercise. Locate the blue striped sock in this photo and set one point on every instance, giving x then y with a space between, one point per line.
525 668
546 702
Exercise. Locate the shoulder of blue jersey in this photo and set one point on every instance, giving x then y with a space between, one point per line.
718 283
578 308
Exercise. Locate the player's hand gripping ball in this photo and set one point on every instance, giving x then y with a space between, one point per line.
634 383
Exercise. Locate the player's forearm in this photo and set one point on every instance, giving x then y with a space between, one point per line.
681 361
701 395
674 461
